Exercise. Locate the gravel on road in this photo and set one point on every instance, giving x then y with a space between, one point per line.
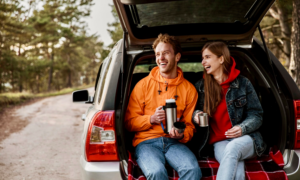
41 140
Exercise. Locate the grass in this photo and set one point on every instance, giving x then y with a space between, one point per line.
10 99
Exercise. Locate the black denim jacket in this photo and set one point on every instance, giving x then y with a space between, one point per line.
243 107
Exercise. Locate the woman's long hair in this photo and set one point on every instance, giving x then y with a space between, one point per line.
213 90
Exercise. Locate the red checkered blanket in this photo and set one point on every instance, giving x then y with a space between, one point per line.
269 167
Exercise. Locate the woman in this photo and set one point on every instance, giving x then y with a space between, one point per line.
234 109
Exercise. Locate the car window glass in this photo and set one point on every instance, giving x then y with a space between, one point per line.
98 76
104 69
192 11
185 66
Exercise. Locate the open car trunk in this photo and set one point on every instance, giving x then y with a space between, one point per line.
274 125
194 23
191 21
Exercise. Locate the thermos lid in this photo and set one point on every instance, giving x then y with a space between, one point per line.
170 101
203 114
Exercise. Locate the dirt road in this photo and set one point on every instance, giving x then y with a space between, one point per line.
45 144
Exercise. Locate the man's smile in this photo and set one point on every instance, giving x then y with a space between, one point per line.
163 64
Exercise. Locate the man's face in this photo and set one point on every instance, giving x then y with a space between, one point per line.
166 59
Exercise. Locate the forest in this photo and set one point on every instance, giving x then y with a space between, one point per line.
44 44
281 30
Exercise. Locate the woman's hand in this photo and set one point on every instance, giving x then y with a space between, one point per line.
196 118
234 132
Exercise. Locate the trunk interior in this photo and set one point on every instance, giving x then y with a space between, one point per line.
274 125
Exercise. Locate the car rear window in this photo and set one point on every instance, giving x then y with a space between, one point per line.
194 17
191 11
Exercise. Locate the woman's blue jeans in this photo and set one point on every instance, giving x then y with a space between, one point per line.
152 155
231 154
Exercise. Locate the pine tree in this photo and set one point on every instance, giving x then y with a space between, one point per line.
115 31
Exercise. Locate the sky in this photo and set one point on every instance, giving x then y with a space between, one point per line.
100 16
97 22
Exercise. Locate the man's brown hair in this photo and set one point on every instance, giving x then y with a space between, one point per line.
165 38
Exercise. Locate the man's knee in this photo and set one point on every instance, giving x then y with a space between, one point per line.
156 172
192 171
196 171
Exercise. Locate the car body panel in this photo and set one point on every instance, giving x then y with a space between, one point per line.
292 169
104 96
104 89
100 170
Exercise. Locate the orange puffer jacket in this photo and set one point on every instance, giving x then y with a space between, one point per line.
145 98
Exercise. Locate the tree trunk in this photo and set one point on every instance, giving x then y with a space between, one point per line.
20 87
282 17
38 84
69 83
69 78
50 72
295 65
20 80
0 82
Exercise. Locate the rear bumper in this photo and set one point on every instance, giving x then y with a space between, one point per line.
292 169
100 170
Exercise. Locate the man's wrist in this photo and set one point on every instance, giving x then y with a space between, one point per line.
181 137
151 120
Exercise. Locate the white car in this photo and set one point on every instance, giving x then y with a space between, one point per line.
105 142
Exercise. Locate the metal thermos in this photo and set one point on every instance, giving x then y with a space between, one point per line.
171 114
203 120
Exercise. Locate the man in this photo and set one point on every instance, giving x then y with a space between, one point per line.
144 116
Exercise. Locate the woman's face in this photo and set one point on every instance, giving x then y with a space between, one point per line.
212 63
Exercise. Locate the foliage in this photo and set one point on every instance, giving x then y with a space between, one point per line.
276 27
115 31
46 48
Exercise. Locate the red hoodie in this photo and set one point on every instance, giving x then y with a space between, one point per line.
220 121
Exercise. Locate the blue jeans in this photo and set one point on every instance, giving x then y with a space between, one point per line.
231 154
152 155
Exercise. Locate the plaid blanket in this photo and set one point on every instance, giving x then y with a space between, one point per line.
269 167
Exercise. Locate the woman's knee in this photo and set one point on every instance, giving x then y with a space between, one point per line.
231 151
239 146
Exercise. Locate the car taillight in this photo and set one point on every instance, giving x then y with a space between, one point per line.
101 142
297 119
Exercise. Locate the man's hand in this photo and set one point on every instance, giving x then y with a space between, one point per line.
234 132
158 116
196 118
175 134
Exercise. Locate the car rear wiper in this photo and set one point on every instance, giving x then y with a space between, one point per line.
253 10
134 14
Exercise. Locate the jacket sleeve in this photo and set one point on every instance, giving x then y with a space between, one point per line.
187 116
135 120
253 111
